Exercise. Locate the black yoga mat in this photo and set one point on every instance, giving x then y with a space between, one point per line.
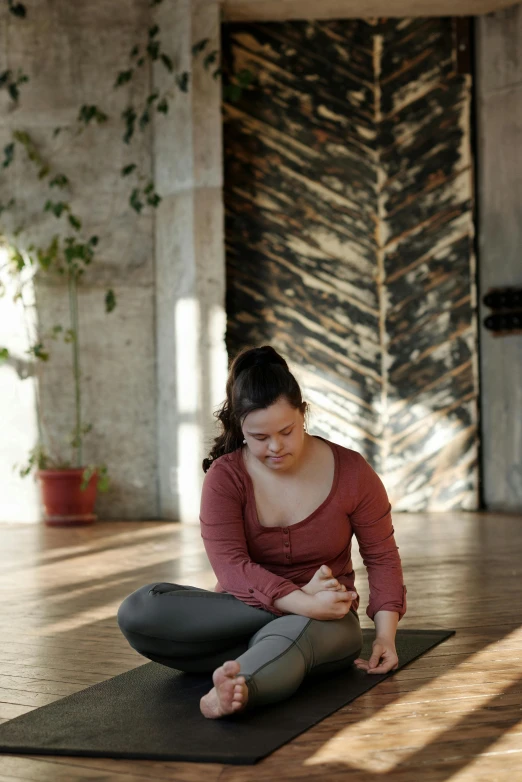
152 712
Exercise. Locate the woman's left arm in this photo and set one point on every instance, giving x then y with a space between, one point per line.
384 655
372 525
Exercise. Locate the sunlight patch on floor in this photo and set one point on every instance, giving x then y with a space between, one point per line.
364 745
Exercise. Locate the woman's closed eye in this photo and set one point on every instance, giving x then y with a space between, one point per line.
285 434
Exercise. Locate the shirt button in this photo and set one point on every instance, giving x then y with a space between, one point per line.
250 590
287 544
285 531
288 556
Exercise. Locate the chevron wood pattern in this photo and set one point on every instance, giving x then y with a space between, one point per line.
349 238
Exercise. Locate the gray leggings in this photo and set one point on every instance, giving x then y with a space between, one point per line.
195 630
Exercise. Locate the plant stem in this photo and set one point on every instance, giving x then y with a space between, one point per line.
73 309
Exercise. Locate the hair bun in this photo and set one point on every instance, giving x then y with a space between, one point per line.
260 357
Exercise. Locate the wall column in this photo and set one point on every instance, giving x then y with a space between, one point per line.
190 265
499 104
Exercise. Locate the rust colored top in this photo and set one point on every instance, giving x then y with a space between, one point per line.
260 564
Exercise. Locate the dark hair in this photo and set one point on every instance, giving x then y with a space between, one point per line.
257 378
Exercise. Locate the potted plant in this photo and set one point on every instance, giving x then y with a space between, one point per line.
69 486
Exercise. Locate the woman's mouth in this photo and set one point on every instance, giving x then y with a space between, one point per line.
277 458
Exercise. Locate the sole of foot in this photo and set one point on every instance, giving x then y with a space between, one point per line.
229 694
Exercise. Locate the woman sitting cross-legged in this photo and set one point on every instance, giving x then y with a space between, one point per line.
279 508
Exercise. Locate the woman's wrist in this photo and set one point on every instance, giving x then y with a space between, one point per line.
297 602
386 625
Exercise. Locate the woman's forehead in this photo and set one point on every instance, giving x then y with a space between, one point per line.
280 413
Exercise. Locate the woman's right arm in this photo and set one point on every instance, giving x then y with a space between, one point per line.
328 604
223 533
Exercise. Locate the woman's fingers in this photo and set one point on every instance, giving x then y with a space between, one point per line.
387 663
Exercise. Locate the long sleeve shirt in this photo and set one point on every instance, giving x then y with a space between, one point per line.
259 564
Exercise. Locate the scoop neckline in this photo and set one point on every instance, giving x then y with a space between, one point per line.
250 486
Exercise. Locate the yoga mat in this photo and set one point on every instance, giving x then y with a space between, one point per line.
152 712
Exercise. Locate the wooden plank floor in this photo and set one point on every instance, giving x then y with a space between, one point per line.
454 714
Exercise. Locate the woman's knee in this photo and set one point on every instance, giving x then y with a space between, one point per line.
134 609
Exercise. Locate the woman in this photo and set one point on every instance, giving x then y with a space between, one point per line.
278 511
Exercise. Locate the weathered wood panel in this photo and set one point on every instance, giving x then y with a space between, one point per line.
348 197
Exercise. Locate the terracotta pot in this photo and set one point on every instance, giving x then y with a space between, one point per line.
64 501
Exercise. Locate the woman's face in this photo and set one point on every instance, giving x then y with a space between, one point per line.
275 435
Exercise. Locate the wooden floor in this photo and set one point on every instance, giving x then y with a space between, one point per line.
454 714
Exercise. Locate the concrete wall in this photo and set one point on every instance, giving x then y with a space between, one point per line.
499 103
154 369
72 53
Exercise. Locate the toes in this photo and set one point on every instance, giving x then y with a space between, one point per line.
231 667
219 675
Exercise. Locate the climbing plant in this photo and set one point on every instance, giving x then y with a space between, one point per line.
69 251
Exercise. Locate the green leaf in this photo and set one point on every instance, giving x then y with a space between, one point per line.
123 77
75 222
154 200
18 259
154 96
57 208
126 170
245 78
155 2
163 106
153 49
149 188
43 172
153 31
210 59
199 46
60 180
110 301
134 200
217 73
182 80
93 241
140 62
9 155
38 351
56 131
4 77
167 62
13 91
144 119
4 354
129 115
103 478
17 9
88 113
134 51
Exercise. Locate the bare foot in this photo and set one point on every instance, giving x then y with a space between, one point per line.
230 694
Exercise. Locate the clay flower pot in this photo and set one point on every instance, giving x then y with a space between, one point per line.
64 501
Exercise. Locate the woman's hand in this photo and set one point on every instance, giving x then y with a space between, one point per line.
321 580
330 604
383 658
